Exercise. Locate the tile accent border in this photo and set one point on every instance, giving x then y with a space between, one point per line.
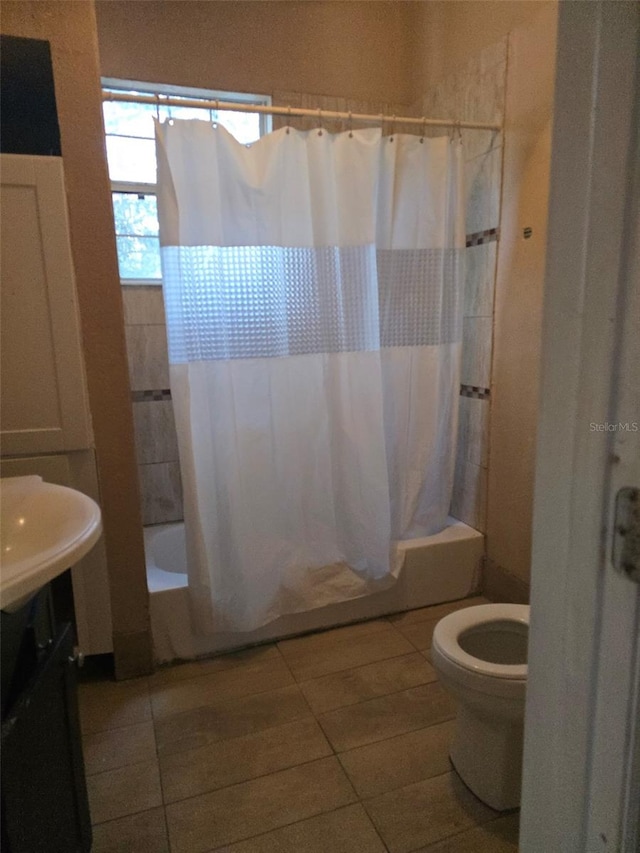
480 237
475 391
153 395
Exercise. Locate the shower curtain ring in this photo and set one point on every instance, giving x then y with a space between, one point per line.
424 128
288 119
319 121
350 125
393 128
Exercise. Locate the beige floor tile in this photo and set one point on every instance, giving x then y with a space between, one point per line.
254 676
127 790
192 669
436 611
419 634
119 747
321 641
222 720
387 716
497 836
346 830
110 705
227 762
312 662
366 682
426 812
232 814
145 832
399 761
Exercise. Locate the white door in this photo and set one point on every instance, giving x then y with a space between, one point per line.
581 786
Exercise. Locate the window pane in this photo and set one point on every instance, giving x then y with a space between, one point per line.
201 113
139 257
129 119
135 215
244 126
131 159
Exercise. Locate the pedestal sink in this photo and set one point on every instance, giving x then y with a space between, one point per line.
44 530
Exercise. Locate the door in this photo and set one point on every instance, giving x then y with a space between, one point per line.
581 779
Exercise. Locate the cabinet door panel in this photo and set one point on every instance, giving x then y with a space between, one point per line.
44 800
43 396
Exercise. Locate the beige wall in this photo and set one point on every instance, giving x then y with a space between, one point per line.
452 32
396 52
71 29
519 292
353 49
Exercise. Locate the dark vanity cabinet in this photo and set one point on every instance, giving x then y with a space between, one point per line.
44 798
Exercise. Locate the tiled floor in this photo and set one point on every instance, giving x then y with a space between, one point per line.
331 743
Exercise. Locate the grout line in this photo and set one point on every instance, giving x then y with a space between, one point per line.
390 737
239 698
260 776
285 825
246 666
234 737
374 698
155 740
476 825
408 785
396 737
311 715
349 668
319 632
176 663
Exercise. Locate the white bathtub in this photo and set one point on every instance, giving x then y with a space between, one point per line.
438 568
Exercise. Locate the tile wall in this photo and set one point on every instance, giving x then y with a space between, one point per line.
336 104
475 93
155 432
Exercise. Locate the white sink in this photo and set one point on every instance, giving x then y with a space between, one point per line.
44 530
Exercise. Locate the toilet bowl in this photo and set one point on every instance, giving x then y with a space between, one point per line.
480 655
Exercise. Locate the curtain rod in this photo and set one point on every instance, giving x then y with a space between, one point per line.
168 101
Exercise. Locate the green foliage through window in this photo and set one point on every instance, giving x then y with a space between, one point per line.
131 156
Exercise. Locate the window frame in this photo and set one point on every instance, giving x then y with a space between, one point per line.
110 84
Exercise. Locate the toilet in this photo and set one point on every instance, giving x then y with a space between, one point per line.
480 655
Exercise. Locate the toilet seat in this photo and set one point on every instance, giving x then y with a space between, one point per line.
450 628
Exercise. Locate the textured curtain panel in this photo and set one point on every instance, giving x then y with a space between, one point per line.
312 292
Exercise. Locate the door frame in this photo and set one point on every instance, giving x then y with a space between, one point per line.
581 729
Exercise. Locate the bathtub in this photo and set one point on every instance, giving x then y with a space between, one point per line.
438 568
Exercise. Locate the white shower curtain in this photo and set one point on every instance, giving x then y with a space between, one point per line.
312 293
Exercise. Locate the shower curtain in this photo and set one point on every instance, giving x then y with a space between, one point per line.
312 294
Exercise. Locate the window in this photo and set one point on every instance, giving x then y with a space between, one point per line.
131 156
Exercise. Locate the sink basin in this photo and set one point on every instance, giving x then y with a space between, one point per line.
44 530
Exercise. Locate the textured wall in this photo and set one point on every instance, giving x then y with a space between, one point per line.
475 92
447 59
496 450
71 29
355 49
519 296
